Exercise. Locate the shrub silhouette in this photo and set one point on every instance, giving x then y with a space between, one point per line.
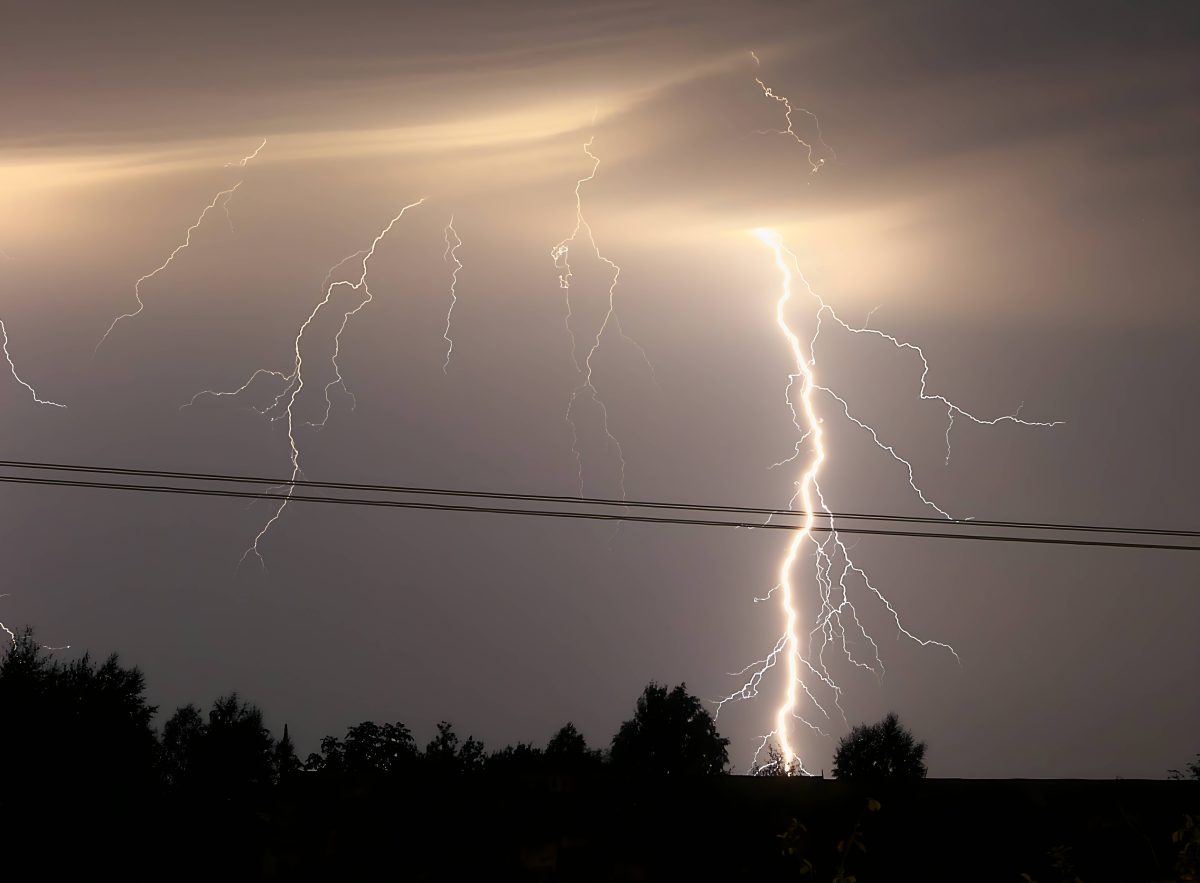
446 754
226 757
369 749
670 734
886 750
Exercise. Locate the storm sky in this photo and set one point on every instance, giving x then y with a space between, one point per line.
1015 187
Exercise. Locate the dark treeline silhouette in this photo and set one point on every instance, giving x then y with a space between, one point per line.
83 723
89 785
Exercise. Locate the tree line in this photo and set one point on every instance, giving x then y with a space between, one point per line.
89 724
82 723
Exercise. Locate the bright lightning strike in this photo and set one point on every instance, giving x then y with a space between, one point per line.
836 625
586 390
814 163
451 255
222 198
284 404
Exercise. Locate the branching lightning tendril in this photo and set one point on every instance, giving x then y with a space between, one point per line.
451 255
222 198
586 390
283 406
12 367
17 377
790 132
241 163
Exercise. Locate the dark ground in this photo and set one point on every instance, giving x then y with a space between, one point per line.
721 828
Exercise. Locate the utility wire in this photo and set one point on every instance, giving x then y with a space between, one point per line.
591 516
588 501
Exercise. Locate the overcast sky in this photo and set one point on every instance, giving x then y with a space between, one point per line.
1012 186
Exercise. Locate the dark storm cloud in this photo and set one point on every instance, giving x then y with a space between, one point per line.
128 70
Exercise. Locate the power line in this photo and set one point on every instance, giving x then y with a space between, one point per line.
588 501
590 516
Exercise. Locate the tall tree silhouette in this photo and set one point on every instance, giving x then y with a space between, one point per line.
886 750
568 756
226 757
567 742
670 734
181 748
447 754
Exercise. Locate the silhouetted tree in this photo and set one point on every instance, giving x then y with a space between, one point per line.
670 734
180 745
72 728
238 748
368 750
775 766
227 756
1190 771
567 742
385 749
568 757
446 754
516 761
330 759
885 750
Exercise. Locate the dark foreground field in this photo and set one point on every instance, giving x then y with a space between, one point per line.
721 828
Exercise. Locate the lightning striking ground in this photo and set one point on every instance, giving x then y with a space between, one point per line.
222 198
451 255
836 625
283 405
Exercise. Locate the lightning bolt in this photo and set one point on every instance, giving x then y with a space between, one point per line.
586 390
284 404
451 254
790 132
222 198
12 367
17 377
836 626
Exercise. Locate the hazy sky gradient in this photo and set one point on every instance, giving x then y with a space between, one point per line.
1015 188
